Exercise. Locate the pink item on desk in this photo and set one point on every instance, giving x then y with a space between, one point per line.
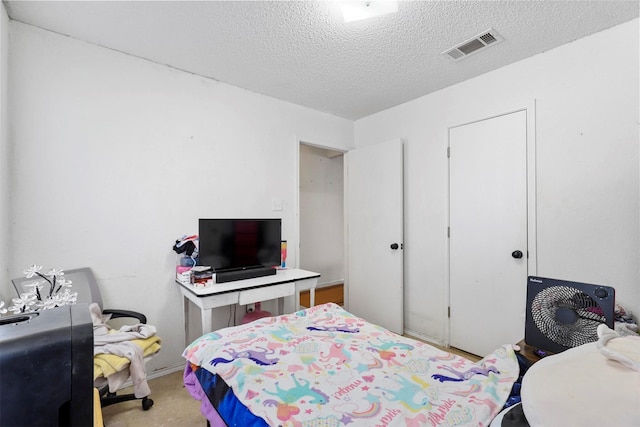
255 315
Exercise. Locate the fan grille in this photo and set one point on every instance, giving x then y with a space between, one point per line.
567 316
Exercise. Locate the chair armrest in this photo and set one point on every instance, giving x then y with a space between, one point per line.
115 313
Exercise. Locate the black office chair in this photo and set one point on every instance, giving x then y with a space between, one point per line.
85 284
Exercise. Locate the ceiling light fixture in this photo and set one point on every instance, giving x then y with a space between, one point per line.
358 10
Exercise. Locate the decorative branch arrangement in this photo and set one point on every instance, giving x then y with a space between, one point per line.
48 290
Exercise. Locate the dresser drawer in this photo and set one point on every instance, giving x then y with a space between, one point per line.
251 296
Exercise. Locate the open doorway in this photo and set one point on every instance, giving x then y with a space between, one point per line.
321 209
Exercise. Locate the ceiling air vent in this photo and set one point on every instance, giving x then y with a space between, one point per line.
473 45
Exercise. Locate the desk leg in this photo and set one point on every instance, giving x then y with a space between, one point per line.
312 297
186 321
206 320
280 305
296 301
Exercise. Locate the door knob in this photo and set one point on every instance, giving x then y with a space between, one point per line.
516 254
394 246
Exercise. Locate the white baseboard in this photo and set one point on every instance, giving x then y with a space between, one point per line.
421 337
331 283
165 371
155 374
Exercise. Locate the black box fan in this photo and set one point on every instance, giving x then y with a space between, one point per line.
562 314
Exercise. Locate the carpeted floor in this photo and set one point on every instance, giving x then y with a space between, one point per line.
173 406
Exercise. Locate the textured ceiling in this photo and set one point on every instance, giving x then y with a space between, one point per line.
303 52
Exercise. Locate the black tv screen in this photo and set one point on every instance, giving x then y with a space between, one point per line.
239 243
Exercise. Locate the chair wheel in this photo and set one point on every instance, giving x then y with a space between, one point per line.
146 403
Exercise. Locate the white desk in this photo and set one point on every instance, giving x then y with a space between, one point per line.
248 291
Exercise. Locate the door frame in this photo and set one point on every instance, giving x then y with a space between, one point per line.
295 263
532 237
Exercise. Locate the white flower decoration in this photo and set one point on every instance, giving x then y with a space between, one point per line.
55 272
33 286
64 283
39 296
32 271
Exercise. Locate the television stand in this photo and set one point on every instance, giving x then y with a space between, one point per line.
285 283
231 275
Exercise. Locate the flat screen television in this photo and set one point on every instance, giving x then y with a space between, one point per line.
239 244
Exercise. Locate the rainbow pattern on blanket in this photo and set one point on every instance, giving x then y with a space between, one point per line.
325 367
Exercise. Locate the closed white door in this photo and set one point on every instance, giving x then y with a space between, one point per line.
374 199
488 233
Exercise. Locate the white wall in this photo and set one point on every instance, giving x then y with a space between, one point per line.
587 102
4 151
322 214
115 157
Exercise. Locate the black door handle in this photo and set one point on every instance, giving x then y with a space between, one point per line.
516 254
394 246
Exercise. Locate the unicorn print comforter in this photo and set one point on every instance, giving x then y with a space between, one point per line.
326 367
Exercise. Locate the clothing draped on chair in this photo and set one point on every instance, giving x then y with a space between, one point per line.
120 353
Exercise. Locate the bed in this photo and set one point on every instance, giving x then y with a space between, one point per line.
324 366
